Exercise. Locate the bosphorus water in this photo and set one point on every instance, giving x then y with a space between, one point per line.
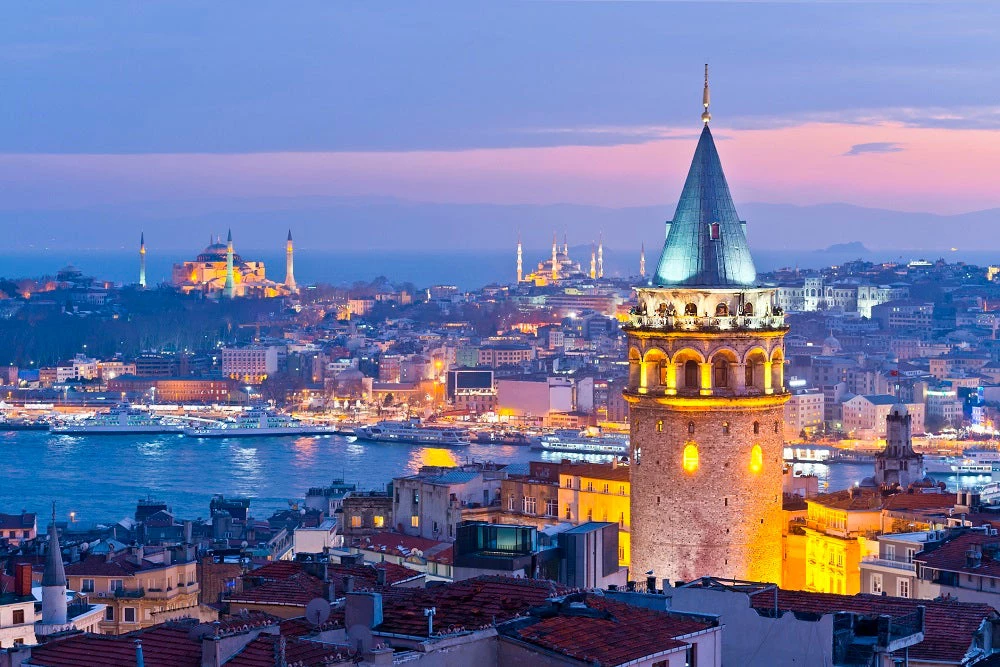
100 478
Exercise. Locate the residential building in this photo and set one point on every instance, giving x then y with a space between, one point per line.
598 492
431 503
864 417
250 364
804 412
17 529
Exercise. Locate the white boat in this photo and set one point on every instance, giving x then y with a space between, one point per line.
579 442
990 494
412 432
120 420
938 465
257 422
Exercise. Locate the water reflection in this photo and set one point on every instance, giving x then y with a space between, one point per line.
432 456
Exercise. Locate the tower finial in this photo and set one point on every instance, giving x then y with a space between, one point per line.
705 100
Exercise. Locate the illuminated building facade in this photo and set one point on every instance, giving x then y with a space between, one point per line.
706 393
597 492
220 271
557 268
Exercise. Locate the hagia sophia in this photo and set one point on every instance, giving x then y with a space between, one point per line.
219 272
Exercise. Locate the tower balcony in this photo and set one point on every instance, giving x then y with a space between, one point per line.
693 323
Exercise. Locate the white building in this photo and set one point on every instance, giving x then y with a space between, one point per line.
250 364
804 411
864 416
317 539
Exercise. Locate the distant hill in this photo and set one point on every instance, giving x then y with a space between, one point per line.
342 223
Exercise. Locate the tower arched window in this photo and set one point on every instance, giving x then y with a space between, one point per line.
721 310
721 369
748 309
756 428
725 428
691 374
690 309
690 457
690 428
756 459
777 426
749 371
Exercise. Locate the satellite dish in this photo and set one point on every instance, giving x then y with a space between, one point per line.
359 637
200 631
318 611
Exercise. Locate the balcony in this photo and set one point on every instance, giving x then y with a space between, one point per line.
639 322
894 563
130 593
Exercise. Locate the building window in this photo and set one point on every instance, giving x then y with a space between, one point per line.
590 514
690 309
87 586
621 490
414 521
18 616
621 520
748 380
722 373
355 521
659 426
690 459
130 614
725 428
777 426
713 231
109 613
876 584
621 553
416 497
116 585
691 374
756 459
638 455
690 428
379 521
530 505
605 488
756 428
903 588
569 513
590 486
551 507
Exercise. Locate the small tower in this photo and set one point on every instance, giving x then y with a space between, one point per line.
54 580
593 262
520 265
290 265
555 259
898 463
142 260
642 261
229 291
600 256
565 245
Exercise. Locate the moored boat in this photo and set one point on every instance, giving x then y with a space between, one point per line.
257 422
120 420
413 432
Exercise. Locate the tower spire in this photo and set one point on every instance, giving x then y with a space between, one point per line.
54 579
642 261
519 258
230 288
555 258
290 265
706 100
142 260
600 255
593 261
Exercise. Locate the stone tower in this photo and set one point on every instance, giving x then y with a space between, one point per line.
898 463
706 395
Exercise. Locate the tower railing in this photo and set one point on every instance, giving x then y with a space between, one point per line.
645 322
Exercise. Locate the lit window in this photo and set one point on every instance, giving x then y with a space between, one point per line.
725 428
414 521
690 461
356 521
379 521
659 426
756 459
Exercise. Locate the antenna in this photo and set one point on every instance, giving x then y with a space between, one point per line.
318 611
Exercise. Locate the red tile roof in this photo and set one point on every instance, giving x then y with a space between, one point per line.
471 604
951 557
919 501
297 590
120 565
261 652
162 646
17 521
288 583
948 626
621 634
398 544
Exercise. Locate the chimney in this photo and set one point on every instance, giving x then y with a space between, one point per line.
651 584
349 583
139 660
380 576
331 591
138 553
22 579
188 532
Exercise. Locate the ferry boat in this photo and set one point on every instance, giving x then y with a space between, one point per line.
974 463
412 432
120 420
504 438
23 424
990 494
257 422
580 442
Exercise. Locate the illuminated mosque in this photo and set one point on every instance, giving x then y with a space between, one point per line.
219 272
559 267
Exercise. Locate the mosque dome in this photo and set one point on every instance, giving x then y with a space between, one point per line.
216 252
831 345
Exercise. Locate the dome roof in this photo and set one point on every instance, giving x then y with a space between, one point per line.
216 252
350 374
898 410
831 342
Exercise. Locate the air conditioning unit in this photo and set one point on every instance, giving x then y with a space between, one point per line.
102 595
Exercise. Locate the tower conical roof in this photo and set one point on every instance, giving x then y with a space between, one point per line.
55 572
696 252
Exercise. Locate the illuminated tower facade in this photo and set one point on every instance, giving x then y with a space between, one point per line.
290 265
229 290
520 260
142 260
593 262
706 395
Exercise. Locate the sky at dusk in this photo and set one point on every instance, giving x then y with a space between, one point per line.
885 105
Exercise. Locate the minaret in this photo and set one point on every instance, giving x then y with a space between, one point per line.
519 258
566 245
142 260
54 580
600 256
593 262
642 261
555 259
289 265
230 288
706 396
